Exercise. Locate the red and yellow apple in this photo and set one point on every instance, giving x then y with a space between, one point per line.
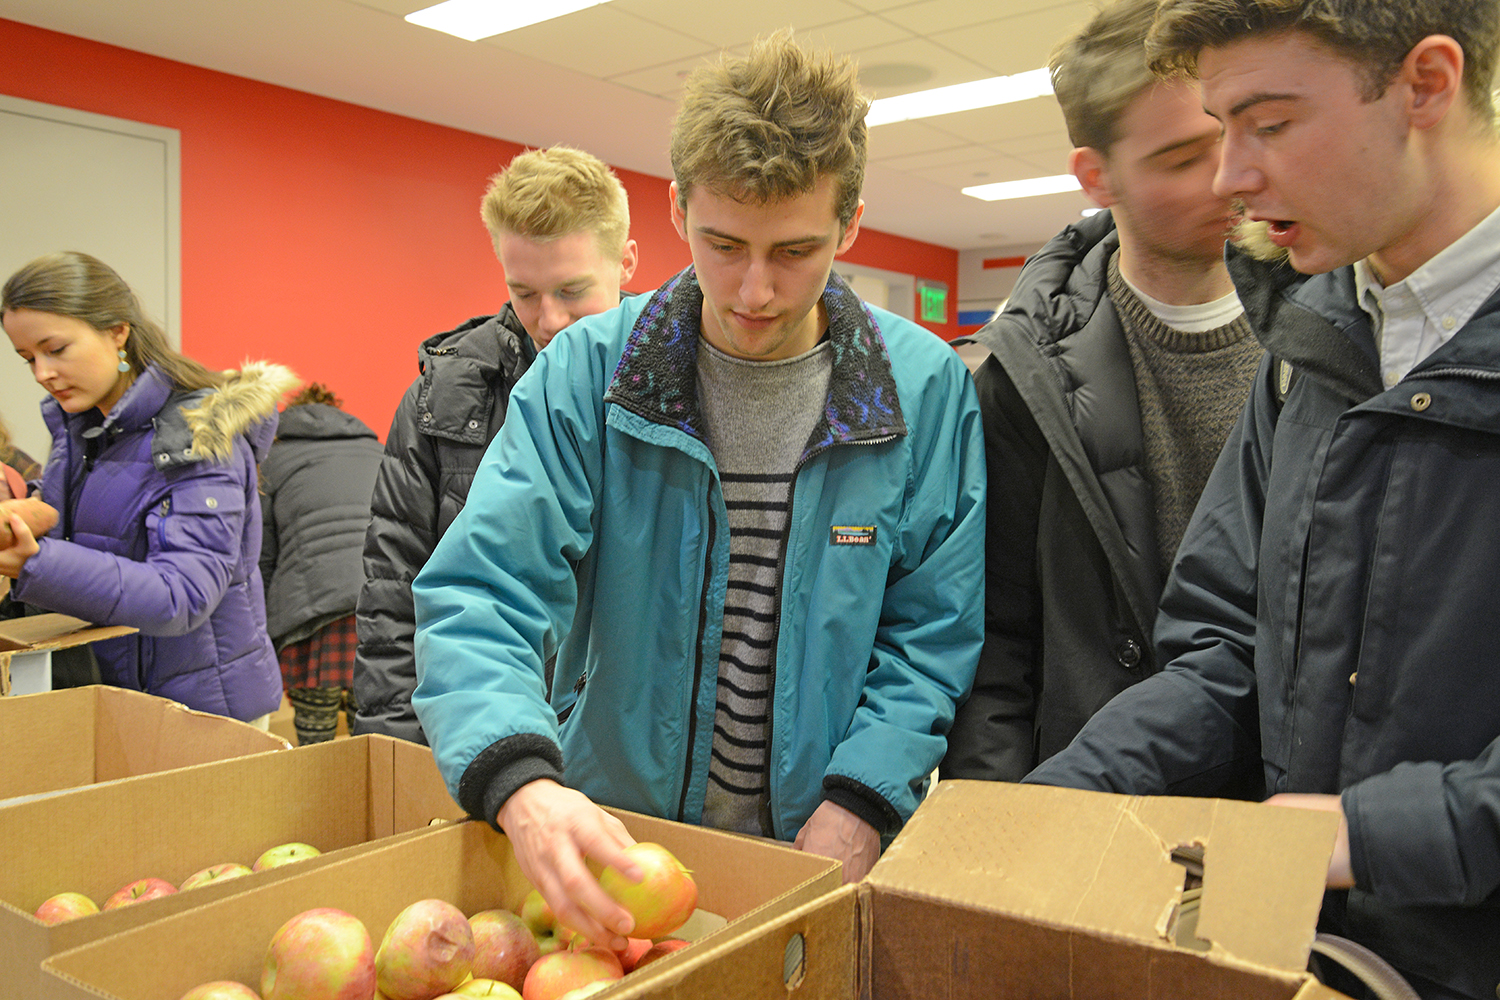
284 854
662 900
537 914
222 989
556 974
139 891
65 906
427 950
504 947
661 949
320 954
486 989
221 872
632 952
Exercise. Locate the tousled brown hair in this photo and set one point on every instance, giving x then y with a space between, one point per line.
1373 35
1100 70
85 288
766 126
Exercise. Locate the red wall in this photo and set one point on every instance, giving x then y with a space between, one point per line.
328 236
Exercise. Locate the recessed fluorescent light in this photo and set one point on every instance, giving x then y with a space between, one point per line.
476 19
1023 189
960 97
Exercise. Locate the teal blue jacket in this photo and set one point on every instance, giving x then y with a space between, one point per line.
596 532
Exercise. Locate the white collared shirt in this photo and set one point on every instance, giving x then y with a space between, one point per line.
1419 314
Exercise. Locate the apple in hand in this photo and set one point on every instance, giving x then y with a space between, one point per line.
427 950
223 989
284 854
555 974
504 947
663 900
214 873
66 906
320 954
38 515
661 949
138 892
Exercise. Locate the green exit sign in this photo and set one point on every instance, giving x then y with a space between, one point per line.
932 297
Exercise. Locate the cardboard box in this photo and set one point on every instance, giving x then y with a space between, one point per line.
26 646
338 796
81 736
1000 891
747 881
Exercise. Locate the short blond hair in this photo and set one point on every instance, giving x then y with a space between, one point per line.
1098 72
766 126
545 194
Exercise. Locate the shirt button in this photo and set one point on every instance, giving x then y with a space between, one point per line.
212 503
1353 676
473 424
1391 378
1421 401
426 418
1129 654
1449 322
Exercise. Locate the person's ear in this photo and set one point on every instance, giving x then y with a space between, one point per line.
1433 73
679 215
851 230
1091 167
627 262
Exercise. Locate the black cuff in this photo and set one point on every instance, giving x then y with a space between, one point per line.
864 802
504 766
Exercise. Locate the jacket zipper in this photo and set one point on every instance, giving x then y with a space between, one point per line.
786 536
692 733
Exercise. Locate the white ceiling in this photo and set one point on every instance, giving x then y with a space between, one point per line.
607 79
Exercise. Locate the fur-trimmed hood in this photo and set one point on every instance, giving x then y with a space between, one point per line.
215 417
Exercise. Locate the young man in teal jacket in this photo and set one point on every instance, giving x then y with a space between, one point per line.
745 513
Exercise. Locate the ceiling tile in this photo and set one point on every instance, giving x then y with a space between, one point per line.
931 16
945 66
1018 43
991 125
907 138
588 41
988 171
664 80
729 24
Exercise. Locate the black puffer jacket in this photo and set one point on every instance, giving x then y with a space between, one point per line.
1331 621
438 435
1071 566
316 483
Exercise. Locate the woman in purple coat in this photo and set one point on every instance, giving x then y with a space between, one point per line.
153 474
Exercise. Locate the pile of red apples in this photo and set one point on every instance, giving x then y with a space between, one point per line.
431 951
71 905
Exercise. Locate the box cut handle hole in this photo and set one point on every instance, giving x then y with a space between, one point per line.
1182 925
794 962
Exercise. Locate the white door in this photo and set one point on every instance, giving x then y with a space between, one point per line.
70 180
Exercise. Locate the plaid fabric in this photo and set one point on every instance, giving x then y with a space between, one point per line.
323 660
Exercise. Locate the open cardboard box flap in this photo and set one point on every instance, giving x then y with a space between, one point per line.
53 631
70 738
1103 864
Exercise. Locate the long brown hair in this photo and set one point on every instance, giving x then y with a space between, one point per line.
85 288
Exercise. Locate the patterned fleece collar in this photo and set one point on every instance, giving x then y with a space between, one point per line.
657 376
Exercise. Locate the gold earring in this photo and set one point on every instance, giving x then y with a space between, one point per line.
124 365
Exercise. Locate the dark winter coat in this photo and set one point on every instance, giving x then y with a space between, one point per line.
1331 622
160 529
1072 578
316 483
437 437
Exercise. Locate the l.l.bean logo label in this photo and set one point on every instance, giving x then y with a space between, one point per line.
851 534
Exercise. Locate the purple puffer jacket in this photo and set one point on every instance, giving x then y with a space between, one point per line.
160 529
